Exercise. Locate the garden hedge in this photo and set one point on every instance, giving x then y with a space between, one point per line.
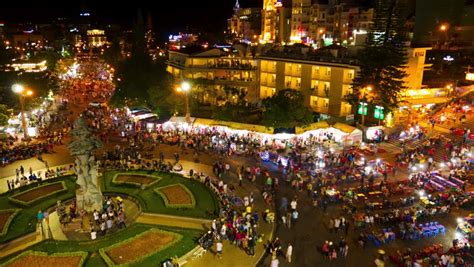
26 204
114 179
110 262
82 254
9 221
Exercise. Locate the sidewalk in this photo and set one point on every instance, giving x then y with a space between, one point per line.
175 221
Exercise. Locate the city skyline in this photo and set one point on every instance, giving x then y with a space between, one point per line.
194 15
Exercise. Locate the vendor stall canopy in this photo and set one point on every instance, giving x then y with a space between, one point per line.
235 125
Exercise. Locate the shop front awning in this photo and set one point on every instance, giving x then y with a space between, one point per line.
234 125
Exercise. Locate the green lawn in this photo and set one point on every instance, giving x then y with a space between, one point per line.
207 204
187 243
25 221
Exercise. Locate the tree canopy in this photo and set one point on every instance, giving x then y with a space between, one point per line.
4 114
382 60
286 110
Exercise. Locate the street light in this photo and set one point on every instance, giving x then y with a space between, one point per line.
444 29
186 87
20 90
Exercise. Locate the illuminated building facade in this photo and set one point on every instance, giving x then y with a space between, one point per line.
300 20
96 38
218 74
323 83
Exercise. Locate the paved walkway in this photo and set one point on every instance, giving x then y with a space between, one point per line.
175 221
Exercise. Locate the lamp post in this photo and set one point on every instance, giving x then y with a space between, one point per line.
444 29
20 90
186 87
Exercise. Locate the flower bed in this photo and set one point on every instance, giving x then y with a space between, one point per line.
6 217
42 259
176 196
137 248
135 179
35 194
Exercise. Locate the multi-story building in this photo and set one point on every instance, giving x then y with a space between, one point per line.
96 38
300 20
217 74
245 23
323 81
276 21
329 23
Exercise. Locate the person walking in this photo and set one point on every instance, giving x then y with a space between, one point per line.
251 246
219 247
289 252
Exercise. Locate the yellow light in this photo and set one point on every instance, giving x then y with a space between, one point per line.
185 86
369 88
443 27
470 76
29 93
18 88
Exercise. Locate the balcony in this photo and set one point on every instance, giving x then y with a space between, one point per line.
226 81
320 109
175 64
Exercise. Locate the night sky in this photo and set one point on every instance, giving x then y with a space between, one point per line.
170 17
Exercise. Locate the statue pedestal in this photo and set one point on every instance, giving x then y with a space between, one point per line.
88 201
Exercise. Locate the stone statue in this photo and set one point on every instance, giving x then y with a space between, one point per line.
82 146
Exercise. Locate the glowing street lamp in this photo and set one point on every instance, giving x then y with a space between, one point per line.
20 90
186 88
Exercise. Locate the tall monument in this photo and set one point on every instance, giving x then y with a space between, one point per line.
82 146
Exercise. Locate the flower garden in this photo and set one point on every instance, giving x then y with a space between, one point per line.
136 245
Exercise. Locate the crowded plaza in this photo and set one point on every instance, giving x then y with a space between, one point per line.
365 197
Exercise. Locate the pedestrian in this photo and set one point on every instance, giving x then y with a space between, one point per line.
219 247
347 227
331 225
9 186
284 204
251 246
325 249
293 204
46 217
337 223
275 262
288 219
289 252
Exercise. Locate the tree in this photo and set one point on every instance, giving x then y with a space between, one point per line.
137 73
382 60
4 115
285 110
163 98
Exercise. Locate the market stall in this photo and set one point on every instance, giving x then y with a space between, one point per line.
345 134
